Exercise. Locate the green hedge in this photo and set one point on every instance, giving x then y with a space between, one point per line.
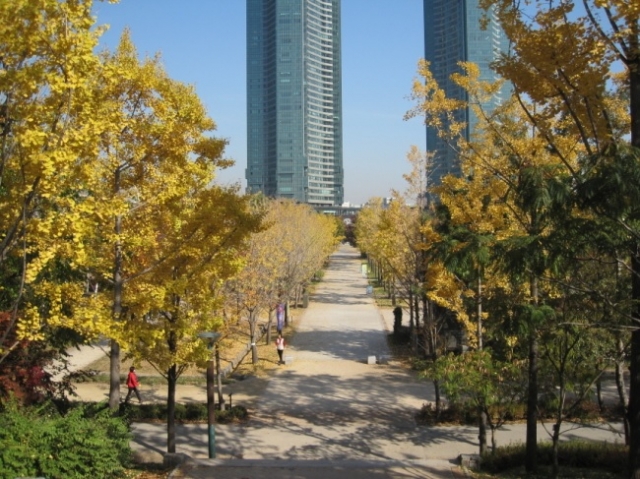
190 412
85 442
573 454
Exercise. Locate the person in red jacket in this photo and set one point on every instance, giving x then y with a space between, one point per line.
132 384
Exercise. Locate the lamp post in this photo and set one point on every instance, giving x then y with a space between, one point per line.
211 339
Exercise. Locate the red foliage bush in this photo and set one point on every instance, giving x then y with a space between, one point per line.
22 365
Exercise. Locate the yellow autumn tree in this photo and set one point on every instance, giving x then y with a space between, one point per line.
156 156
257 286
307 240
575 68
279 261
580 61
389 237
513 187
50 127
505 168
203 234
396 240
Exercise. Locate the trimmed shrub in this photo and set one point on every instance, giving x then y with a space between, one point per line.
574 454
452 414
83 443
181 412
143 412
236 413
195 412
504 458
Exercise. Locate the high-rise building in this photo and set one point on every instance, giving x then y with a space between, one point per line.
453 33
294 100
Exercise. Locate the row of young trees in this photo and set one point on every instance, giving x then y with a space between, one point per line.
535 246
280 263
111 222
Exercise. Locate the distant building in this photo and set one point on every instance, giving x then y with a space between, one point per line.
294 100
342 211
453 34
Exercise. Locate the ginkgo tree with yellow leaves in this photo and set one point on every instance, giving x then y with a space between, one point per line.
204 233
395 239
112 222
579 63
154 168
279 261
501 215
49 126
558 147
127 153
307 240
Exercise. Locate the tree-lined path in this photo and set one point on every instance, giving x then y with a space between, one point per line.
330 409
329 403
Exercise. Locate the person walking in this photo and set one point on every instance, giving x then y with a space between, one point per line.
132 384
280 347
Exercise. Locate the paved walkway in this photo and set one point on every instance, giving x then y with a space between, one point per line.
329 413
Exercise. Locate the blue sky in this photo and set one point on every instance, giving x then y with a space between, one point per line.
202 42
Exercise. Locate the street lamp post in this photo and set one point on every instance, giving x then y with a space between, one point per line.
211 339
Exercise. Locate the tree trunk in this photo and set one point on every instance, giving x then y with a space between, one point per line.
428 329
416 329
482 430
269 324
118 287
531 459
436 387
114 376
482 416
172 380
219 381
479 312
622 390
252 329
411 313
494 443
634 404
531 462
599 393
296 297
393 293
555 438
633 62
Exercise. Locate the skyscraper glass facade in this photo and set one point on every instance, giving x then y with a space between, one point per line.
453 34
294 100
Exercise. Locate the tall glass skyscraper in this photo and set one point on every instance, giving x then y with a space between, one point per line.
453 34
294 100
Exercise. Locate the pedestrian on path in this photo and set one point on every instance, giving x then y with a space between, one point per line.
280 347
132 384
